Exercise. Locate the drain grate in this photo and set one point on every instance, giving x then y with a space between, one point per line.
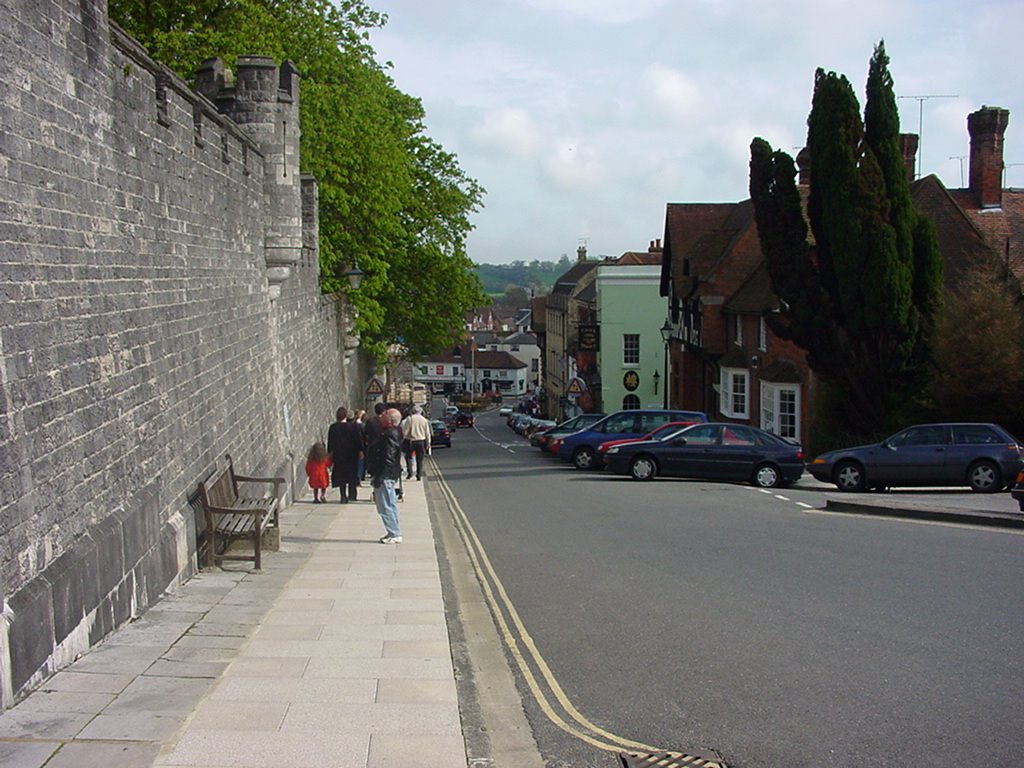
667 760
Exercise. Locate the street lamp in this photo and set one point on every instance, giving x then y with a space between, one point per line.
355 277
666 334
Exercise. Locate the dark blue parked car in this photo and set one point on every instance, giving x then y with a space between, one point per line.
580 448
984 456
718 451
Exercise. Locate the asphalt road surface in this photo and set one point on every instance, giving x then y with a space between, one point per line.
724 621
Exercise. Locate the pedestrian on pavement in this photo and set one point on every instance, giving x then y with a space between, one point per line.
373 426
360 420
384 463
318 461
416 430
345 444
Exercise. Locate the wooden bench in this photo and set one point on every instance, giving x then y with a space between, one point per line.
231 515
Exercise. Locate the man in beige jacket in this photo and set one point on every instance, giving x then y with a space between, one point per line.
416 430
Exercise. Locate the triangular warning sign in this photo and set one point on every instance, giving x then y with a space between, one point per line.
375 387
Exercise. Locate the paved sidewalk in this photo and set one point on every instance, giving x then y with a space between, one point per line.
337 654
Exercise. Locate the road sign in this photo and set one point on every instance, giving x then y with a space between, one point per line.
375 386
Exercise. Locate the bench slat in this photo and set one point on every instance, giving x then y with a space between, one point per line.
232 516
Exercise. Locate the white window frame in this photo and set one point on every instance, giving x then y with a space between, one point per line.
762 335
777 415
737 338
630 356
735 386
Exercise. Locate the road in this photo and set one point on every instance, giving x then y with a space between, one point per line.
724 621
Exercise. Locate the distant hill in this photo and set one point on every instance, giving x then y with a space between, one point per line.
538 276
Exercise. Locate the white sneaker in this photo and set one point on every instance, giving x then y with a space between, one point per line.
391 540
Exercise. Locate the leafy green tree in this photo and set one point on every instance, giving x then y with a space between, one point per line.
980 358
862 297
392 202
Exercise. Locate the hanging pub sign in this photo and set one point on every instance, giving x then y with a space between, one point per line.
631 380
589 337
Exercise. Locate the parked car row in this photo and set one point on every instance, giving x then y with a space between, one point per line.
581 448
648 443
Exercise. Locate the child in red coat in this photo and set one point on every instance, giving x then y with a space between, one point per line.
318 461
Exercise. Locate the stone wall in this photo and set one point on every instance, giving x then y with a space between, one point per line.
160 308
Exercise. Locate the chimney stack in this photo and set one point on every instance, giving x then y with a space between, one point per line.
986 128
803 165
908 146
581 253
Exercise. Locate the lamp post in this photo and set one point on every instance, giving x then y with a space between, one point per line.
666 334
355 277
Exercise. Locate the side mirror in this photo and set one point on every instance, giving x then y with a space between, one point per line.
679 441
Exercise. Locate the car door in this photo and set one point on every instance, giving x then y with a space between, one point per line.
915 456
621 425
736 453
692 452
970 442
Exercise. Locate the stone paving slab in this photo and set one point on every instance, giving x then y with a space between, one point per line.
335 655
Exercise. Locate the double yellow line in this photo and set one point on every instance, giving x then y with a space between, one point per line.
548 694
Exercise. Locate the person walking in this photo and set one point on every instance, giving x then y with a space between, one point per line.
416 429
374 425
345 444
384 463
318 462
360 420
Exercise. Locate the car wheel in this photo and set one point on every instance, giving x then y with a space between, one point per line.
766 476
643 468
985 477
583 458
849 476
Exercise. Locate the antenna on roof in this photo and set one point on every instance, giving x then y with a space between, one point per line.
961 158
920 125
1005 166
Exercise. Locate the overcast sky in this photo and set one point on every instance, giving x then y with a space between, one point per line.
583 118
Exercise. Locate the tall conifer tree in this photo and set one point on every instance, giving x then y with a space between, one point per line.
862 299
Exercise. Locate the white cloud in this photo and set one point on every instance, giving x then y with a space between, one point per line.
510 131
672 94
569 165
600 11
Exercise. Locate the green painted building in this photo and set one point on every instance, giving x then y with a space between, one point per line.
630 314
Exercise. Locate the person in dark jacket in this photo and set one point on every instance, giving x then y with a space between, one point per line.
345 444
384 463
373 425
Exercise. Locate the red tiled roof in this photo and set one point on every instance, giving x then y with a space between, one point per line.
698 236
634 258
969 236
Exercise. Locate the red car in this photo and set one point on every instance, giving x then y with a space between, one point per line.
663 431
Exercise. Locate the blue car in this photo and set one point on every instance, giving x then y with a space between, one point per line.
718 451
983 456
581 448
